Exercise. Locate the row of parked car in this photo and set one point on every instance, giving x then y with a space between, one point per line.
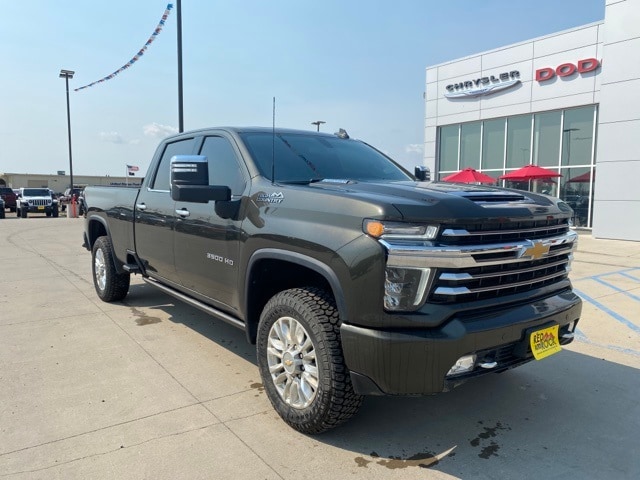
38 200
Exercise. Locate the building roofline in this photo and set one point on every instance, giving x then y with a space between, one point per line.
498 49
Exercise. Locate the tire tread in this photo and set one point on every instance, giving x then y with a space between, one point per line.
340 400
117 284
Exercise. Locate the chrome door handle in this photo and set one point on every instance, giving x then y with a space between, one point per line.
141 206
184 213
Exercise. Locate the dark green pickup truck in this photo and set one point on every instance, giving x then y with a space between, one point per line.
352 276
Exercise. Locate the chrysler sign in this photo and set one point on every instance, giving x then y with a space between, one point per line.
483 85
567 69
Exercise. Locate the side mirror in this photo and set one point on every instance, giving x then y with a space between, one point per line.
422 173
190 181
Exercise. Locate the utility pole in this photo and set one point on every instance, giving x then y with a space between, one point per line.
180 102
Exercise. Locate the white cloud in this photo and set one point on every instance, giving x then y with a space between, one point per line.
159 131
115 137
111 137
414 148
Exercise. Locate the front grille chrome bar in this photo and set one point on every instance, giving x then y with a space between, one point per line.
465 290
425 255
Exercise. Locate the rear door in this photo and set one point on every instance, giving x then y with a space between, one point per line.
206 244
155 215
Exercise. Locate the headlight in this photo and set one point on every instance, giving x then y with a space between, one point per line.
399 230
404 288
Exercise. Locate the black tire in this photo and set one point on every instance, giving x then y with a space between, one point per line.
48 214
54 213
110 285
23 213
2 213
331 401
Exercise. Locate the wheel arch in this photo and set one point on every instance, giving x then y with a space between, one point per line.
96 228
291 267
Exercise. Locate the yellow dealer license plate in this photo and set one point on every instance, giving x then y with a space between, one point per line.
40 207
545 342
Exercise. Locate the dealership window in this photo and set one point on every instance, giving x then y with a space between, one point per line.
449 140
470 145
575 186
493 144
546 138
518 141
560 140
577 133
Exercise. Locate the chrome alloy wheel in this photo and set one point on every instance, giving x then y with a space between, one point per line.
100 269
291 357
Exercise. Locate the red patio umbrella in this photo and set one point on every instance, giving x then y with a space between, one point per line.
584 178
529 172
469 175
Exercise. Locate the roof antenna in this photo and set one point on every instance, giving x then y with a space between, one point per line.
273 145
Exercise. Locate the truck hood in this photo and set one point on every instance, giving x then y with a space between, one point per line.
450 202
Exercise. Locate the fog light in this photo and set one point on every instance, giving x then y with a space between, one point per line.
463 365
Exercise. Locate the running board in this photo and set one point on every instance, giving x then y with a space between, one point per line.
131 268
196 303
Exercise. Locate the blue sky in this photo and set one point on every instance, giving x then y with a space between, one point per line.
358 65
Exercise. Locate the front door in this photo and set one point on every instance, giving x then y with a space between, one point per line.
206 244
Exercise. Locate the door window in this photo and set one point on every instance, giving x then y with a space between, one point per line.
224 168
161 180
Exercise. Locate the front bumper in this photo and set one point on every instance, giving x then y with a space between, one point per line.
40 208
416 361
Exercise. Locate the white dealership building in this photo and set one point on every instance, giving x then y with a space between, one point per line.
568 102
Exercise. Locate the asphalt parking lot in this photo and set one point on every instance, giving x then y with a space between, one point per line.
151 388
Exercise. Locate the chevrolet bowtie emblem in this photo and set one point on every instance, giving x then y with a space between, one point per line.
537 250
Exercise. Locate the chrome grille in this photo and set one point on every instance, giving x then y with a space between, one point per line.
498 280
472 262
39 202
493 232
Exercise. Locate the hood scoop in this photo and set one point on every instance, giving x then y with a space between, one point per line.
493 198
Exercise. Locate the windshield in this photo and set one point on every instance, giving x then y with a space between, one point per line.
307 158
36 192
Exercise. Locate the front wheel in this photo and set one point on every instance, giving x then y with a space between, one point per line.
301 362
109 284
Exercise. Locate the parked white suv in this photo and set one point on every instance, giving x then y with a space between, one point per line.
36 200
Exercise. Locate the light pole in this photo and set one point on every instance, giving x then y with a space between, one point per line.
180 102
317 123
67 74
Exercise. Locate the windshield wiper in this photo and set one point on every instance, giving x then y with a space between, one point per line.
301 182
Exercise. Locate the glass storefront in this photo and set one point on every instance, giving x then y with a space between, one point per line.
559 140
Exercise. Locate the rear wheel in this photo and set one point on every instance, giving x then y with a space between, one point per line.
301 362
109 284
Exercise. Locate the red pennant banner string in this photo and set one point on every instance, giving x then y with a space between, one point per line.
137 56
